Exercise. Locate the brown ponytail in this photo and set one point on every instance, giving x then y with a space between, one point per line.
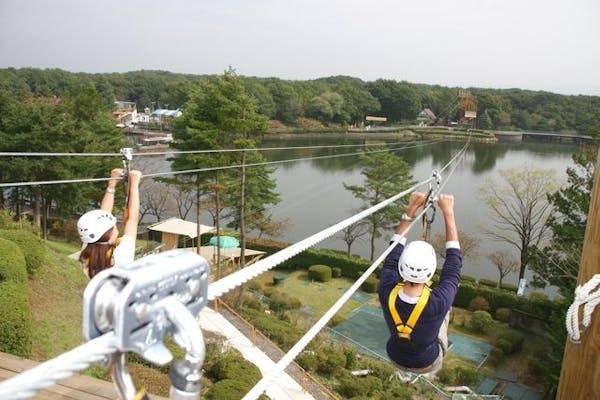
98 255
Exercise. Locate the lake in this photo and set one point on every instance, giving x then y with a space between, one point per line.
313 196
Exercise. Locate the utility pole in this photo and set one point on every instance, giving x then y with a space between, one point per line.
581 362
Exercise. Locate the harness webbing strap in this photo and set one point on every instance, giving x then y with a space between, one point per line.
405 329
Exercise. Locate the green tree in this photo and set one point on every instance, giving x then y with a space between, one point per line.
557 263
518 208
221 115
385 174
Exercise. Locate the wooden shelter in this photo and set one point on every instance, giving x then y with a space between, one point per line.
172 228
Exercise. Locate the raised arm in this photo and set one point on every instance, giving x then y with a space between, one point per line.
417 199
446 204
131 215
108 200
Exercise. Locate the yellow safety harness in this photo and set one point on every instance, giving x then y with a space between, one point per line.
405 329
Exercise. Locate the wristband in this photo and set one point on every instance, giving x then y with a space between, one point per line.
110 190
405 217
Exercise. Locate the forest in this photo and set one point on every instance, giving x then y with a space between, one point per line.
333 101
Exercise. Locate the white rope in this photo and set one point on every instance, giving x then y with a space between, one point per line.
50 154
260 387
207 169
29 382
588 298
235 279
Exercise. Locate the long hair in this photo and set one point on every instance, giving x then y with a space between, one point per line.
98 255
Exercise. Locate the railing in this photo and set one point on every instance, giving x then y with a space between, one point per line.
258 339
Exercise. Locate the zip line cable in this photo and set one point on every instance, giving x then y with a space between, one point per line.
44 375
262 385
171 173
38 154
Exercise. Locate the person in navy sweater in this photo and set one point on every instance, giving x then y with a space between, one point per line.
420 348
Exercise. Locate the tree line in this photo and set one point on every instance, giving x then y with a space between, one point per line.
337 100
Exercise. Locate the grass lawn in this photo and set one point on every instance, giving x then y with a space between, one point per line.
318 295
55 297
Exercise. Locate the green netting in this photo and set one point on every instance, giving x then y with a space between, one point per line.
474 350
365 328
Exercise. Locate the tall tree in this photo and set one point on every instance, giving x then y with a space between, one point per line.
221 115
385 174
504 263
518 208
557 263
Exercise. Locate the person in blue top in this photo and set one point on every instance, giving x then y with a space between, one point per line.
420 348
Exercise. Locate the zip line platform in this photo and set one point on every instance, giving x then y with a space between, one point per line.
75 387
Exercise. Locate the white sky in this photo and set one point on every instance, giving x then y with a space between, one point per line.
548 45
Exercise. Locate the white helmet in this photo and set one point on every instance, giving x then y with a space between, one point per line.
417 262
93 224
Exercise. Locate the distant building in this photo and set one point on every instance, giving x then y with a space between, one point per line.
164 113
125 113
426 117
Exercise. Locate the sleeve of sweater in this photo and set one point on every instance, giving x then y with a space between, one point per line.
446 290
389 274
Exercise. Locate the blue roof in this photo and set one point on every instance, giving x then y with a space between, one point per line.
165 112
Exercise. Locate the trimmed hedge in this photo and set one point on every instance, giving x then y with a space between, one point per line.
349 266
370 285
467 279
498 298
336 272
12 262
16 324
31 245
488 282
319 273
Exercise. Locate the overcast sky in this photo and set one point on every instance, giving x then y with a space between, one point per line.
550 45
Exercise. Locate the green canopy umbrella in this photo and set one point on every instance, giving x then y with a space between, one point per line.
225 242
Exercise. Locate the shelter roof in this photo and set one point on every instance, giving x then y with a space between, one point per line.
181 227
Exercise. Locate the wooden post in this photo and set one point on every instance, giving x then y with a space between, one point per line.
581 362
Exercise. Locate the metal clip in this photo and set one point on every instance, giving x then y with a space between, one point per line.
142 302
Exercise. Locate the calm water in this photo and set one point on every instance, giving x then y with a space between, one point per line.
313 196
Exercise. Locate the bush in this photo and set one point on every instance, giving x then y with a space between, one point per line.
336 272
227 389
32 246
496 356
502 314
488 282
12 263
330 361
319 273
504 345
16 324
231 365
307 360
515 339
281 301
479 303
458 375
510 287
468 279
352 387
370 285
480 321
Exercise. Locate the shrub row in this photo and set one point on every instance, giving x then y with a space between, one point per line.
349 266
538 306
235 376
15 315
30 244
319 273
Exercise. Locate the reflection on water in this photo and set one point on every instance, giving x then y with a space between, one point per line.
313 196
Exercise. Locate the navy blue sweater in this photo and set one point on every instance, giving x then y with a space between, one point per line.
424 351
